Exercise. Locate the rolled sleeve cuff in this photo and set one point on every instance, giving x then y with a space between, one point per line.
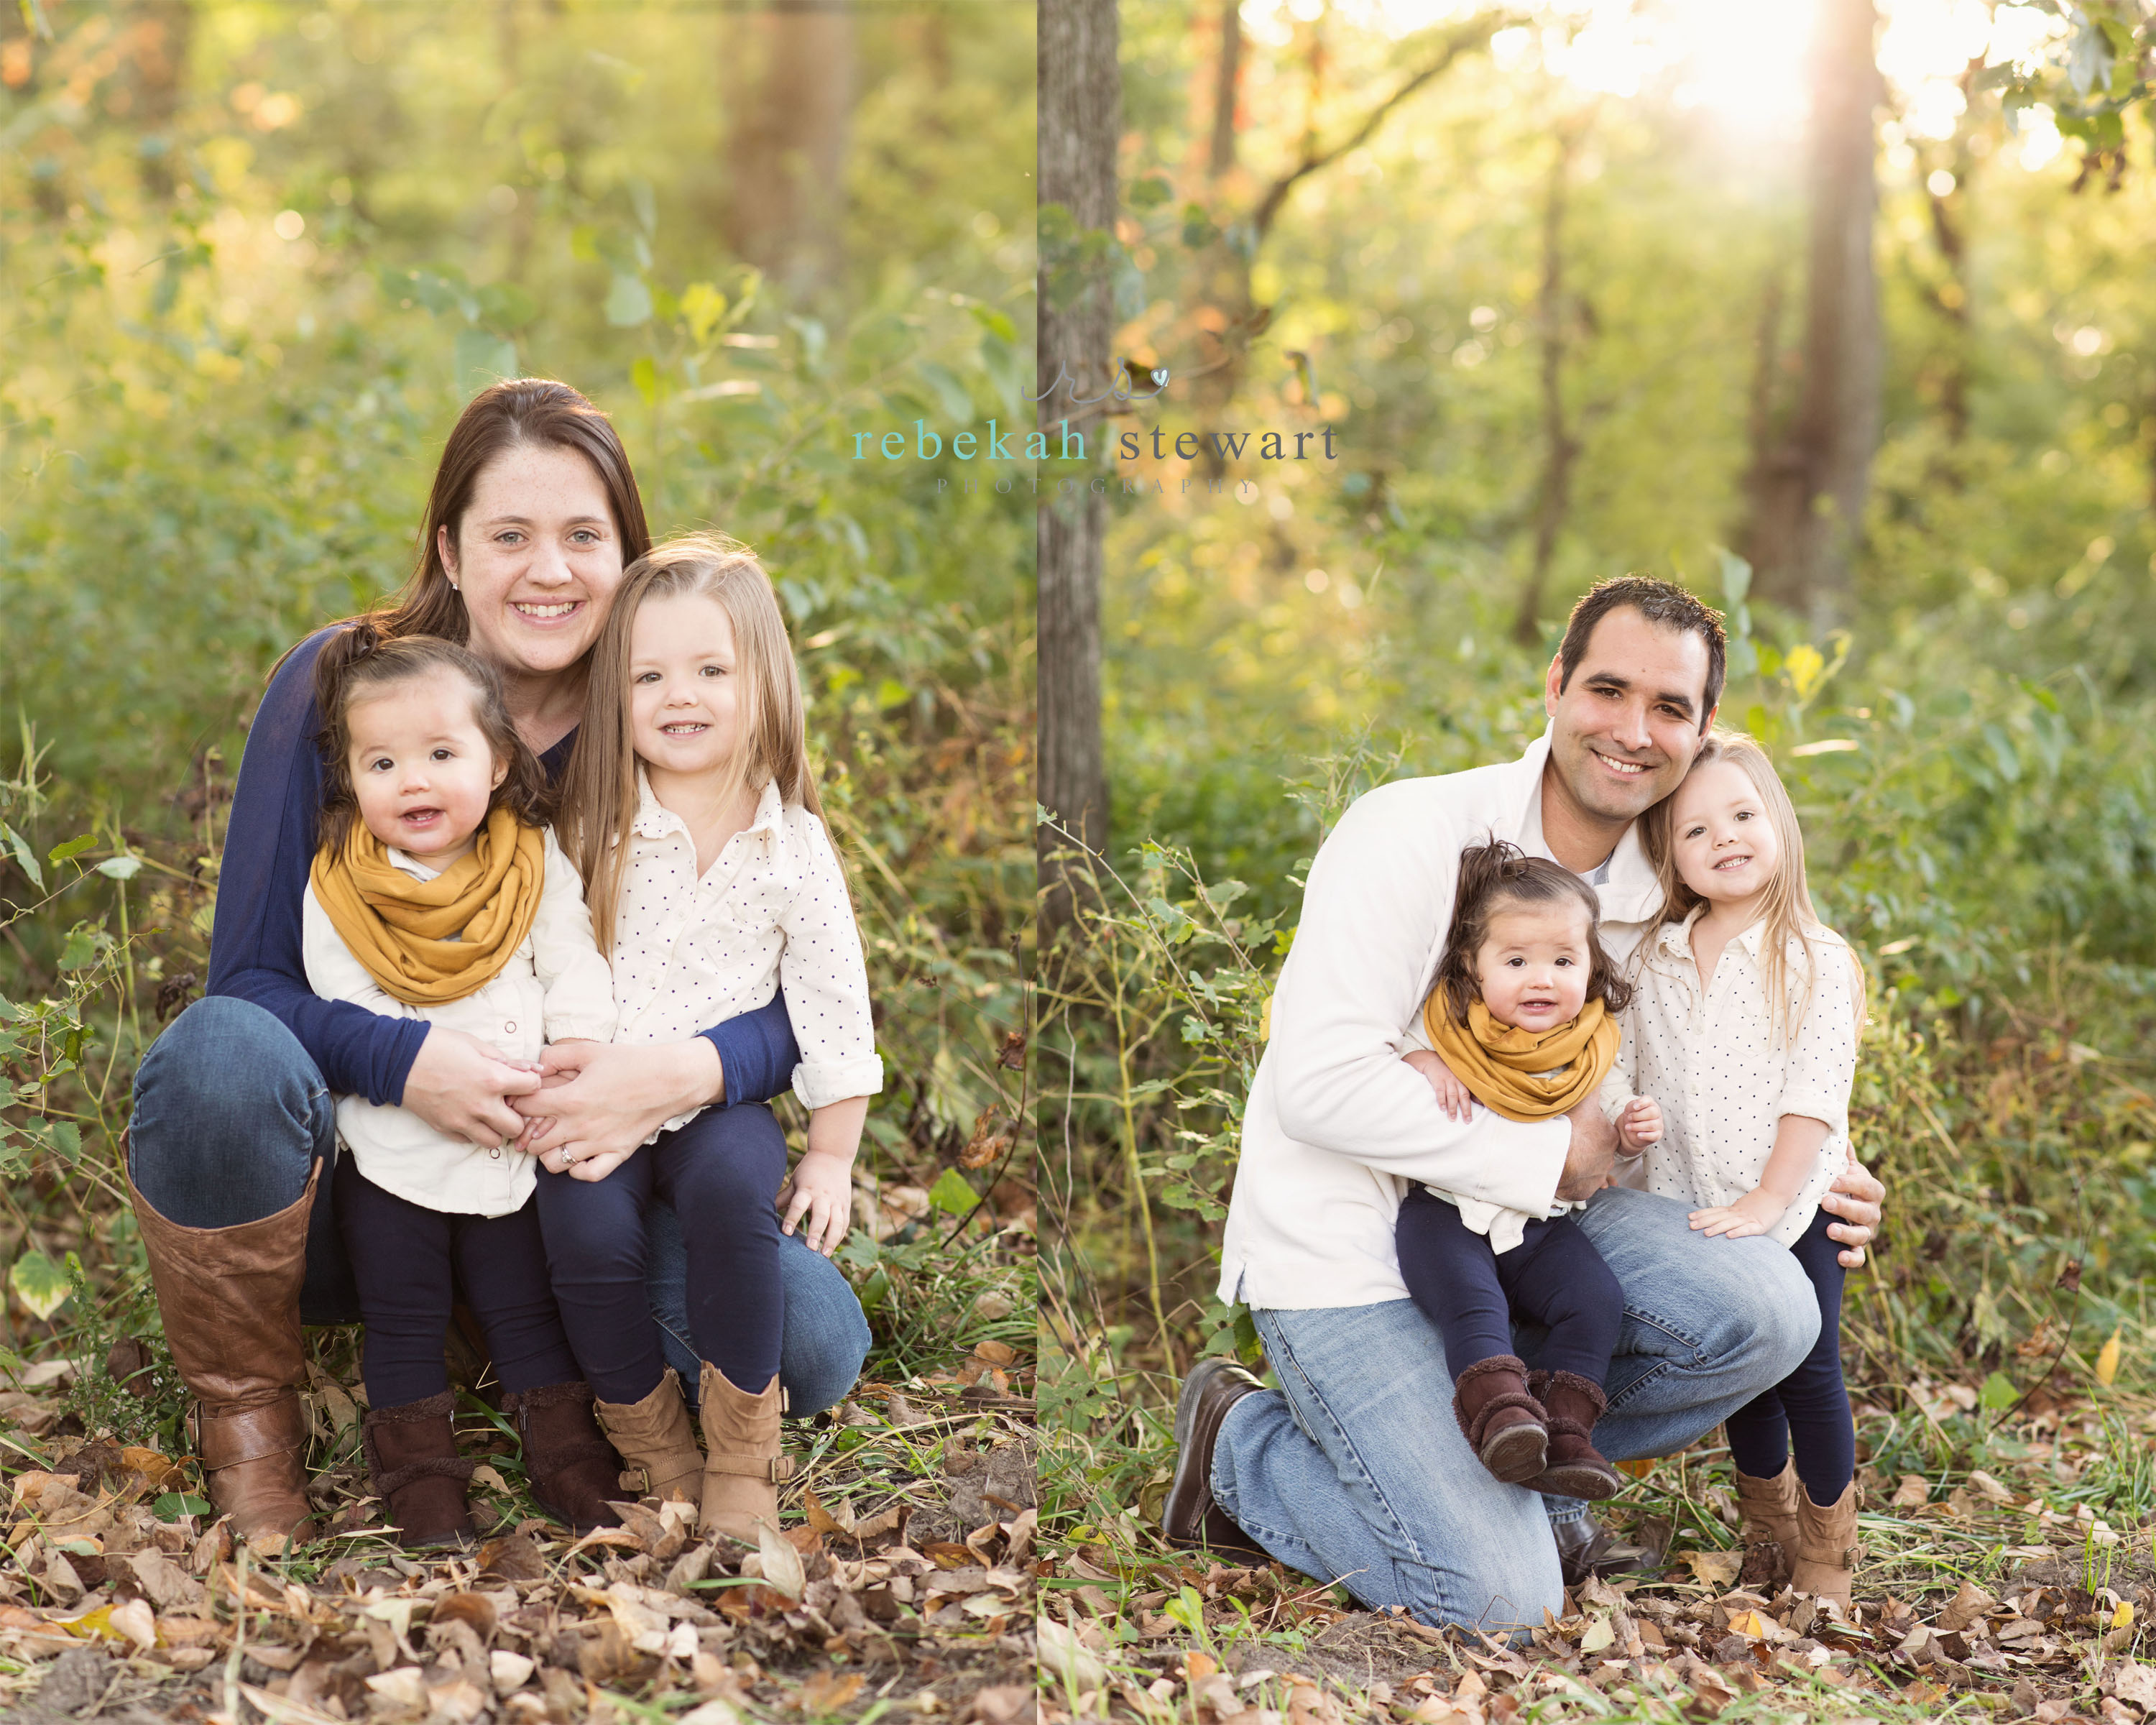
1816 1105
820 1083
571 1029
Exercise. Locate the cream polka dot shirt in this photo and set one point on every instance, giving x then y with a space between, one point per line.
1721 1076
772 910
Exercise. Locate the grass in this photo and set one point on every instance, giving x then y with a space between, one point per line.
2050 1509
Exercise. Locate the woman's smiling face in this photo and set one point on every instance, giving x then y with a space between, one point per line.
537 557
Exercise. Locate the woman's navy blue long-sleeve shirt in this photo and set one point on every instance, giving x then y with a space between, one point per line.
254 943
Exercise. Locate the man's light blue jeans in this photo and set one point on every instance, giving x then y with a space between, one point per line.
1355 1470
230 1114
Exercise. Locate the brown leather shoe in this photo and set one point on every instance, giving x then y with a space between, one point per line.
1585 1547
1573 1468
743 1465
1769 1510
412 1457
1189 1516
1502 1422
573 1469
230 1298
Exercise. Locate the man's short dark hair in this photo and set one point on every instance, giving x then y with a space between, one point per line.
1662 603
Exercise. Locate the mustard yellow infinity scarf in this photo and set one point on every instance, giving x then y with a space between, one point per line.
428 941
1509 1069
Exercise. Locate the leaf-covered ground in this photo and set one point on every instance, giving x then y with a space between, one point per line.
904 1580
2007 1574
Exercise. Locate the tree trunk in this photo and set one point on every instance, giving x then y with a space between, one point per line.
1804 533
1081 116
1227 80
161 39
508 40
1560 439
787 154
1951 298
1764 429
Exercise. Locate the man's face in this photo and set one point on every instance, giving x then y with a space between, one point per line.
1624 728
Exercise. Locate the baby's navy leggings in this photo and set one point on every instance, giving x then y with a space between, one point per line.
411 1262
1554 1276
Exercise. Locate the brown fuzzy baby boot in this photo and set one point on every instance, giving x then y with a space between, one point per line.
412 1457
1503 1423
1574 1467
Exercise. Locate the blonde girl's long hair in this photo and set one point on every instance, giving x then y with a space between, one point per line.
598 799
1789 915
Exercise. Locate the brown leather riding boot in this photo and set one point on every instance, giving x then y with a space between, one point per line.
1502 1421
412 1458
744 1468
1769 1527
1574 1468
230 1299
1827 1553
574 1473
658 1445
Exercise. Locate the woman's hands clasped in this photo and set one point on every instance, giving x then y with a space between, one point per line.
598 1101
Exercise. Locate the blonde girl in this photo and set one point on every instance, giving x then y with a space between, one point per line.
691 813
1743 1027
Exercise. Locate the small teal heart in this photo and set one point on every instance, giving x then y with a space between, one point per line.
1160 376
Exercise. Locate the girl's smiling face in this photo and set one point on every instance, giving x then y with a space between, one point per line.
1724 844
1532 966
685 699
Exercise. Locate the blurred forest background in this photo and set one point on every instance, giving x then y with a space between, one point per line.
1838 314
253 258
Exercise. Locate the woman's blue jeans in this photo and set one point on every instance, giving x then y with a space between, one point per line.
231 1114
1354 1470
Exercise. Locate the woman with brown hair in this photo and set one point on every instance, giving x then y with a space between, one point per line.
533 516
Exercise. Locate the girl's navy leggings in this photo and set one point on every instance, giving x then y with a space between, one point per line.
1554 1277
1810 1407
722 1172
411 1263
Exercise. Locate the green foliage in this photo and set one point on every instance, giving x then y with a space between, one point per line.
238 312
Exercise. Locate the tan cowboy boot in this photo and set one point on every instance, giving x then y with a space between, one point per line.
744 1467
1827 1553
230 1298
1769 1527
657 1443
